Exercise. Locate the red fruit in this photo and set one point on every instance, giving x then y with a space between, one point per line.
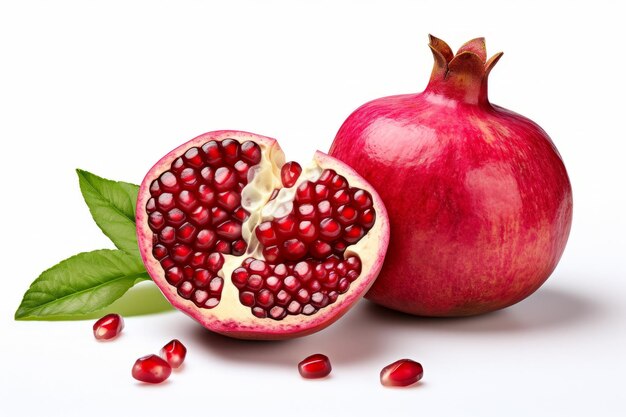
479 200
315 366
108 327
174 353
151 369
401 373
213 215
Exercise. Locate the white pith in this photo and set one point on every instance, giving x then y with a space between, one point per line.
230 316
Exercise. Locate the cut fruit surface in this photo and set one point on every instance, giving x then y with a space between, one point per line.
253 247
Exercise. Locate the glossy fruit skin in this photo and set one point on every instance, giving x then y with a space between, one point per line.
479 200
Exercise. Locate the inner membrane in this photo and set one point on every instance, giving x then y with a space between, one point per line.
212 202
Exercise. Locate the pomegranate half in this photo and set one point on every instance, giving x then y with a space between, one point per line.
253 247
479 200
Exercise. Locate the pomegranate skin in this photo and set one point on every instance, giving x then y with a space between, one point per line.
479 201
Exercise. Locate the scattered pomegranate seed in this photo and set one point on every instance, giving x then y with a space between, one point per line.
151 369
108 327
401 373
315 366
174 353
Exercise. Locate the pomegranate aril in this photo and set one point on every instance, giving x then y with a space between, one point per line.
168 182
352 275
291 284
193 157
401 373
331 280
294 308
155 188
259 267
206 195
303 296
151 369
166 201
216 285
167 263
321 192
188 177
293 249
346 215
177 165
251 152
247 298
167 235
303 271
282 297
324 209
315 366
218 215
212 152
151 205
281 270
329 229
259 312
326 176
277 313
180 253
314 285
186 233
307 231
185 289
205 239
199 297
254 282
367 218
108 327
240 277
362 199
266 234
175 217
159 251
308 309
198 260
289 173
319 300
320 249
332 296
339 248
238 247
353 262
273 283
222 247
353 233
229 200
207 175
240 214
201 278
241 168
230 230
174 353
305 192
265 298
156 221
230 150
306 212
271 254
340 197
285 226
343 285
187 200
224 179
174 275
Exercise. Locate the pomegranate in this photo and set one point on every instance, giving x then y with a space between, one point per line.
479 200
401 373
174 353
253 247
315 366
108 327
151 369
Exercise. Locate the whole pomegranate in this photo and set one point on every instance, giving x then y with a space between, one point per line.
479 201
253 247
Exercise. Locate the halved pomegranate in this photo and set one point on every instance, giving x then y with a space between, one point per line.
253 247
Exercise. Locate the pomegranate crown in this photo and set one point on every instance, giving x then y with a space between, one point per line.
461 76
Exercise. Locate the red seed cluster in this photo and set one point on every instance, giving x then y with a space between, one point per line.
293 288
196 215
328 215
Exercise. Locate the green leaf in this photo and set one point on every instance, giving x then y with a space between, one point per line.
112 206
82 284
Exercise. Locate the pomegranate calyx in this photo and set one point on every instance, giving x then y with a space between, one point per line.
461 76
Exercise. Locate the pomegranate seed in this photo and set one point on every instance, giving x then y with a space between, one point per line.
315 366
362 199
240 277
180 253
307 231
200 215
229 200
289 173
156 221
185 289
201 278
280 270
174 353
251 152
346 215
167 235
212 152
186 232
187 200
168 182
151 369
291 283
239 247
286 226
265 298
367 218
166 201
108 327
304 193
155 188
320 250
353 233
326 177
159 251
282 298
321 192
230 149
271 253
192 157
247 298
206 195
330 229
242 170
207 174
255 282
218 215
222 246
205 239
277 313
338 182
188 177
230 230
174 275
224 179
306 212
266 234
401 373
293 249
324 209
273 283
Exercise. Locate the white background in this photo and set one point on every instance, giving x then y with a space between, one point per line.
111 86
